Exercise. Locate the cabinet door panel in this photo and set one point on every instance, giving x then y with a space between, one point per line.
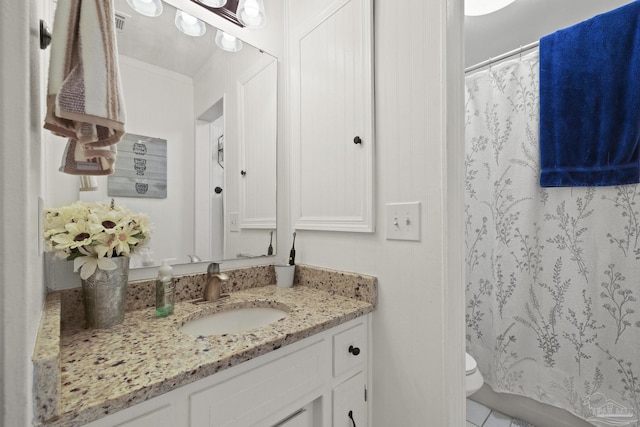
254 395
257 107
349 349
349 406
332 153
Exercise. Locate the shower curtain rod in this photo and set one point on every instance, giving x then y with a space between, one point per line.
501 57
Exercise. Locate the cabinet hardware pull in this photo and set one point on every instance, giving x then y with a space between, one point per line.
243 173
357 140
351 418
354 350
45 35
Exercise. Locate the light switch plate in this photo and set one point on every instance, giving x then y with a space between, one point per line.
403 221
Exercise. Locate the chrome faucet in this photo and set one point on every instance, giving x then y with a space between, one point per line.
215 280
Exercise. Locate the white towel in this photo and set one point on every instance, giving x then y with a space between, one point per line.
84 96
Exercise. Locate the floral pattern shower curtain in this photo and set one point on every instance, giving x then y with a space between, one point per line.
552 274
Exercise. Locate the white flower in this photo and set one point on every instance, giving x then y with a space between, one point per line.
88 265
91 233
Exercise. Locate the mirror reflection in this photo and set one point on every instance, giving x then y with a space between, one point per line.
217 111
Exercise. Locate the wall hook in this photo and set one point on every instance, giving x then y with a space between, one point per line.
45 35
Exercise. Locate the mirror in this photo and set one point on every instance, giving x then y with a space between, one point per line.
212 114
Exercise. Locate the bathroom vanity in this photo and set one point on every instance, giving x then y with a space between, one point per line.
310 368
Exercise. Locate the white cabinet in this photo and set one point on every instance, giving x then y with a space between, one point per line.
319 381
349 406
257 110
301 418
245 399
349 349
332 115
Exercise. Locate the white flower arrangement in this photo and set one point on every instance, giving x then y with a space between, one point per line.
91 233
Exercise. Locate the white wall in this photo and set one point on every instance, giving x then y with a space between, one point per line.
524 22
411 329
21 287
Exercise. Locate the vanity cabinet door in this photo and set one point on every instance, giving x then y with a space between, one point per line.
250 397
331 114
257 108
349 406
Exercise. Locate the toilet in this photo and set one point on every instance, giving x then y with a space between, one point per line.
473 380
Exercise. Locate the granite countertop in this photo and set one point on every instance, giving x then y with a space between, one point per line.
100 372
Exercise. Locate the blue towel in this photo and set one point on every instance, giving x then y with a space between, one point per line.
590 101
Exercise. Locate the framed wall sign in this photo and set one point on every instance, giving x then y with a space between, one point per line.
140 169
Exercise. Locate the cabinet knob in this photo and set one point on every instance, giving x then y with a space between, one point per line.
243 173
354 350
357 140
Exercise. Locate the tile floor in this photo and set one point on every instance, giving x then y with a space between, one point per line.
479 415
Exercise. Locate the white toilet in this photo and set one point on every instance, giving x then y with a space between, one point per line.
474 379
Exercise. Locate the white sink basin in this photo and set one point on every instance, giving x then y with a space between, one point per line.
233 321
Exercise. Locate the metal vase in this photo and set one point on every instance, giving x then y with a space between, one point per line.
104 295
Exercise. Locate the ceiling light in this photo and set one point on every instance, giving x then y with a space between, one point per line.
484 7
150 8
228 42
251 13
213 3
189 24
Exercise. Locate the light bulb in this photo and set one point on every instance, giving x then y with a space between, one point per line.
189 24
251 13
213 3
190 20
150 8
227 42
484 7
251 8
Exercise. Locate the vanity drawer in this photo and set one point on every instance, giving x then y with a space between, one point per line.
249 397
349 349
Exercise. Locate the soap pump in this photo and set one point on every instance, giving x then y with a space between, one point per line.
165 289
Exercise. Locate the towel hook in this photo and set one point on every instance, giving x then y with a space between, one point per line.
45 35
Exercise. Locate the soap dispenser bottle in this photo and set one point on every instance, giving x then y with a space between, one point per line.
165 290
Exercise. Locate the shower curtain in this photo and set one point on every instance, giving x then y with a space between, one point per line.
552 274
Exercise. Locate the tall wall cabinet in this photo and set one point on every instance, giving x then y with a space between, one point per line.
331 111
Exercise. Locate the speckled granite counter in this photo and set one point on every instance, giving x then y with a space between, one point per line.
82 375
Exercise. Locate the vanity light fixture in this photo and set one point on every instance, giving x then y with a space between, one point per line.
251 13
150 8
189 24
228 42
484 7
213 3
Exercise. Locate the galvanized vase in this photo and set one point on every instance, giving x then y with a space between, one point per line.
104 295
